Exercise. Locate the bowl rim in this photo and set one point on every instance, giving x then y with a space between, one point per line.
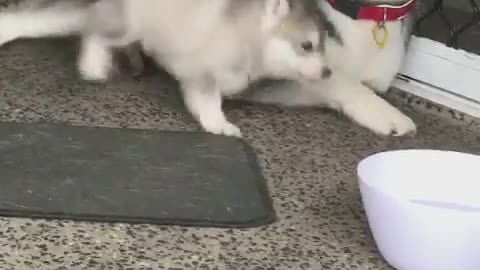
376 155
360 166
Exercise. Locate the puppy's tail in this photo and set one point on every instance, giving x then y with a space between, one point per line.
42 18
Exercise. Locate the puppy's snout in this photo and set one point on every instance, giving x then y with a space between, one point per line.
318 73
326 73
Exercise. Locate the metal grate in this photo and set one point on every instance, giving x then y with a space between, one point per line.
455 23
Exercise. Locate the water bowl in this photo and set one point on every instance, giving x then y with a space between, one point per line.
423 208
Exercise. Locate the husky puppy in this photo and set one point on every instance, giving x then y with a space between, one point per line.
361 66
215 48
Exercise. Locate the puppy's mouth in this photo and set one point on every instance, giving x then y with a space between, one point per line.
326 73
323 74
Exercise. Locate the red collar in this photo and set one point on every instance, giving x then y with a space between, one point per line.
378 13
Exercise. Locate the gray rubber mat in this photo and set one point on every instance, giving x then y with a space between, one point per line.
134 176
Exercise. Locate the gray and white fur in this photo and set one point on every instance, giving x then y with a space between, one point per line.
360 71
215 48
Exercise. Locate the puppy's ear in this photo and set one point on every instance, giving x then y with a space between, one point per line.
275 11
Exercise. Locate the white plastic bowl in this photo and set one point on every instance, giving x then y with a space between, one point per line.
423 208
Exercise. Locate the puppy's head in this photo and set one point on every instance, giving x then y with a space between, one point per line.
293 40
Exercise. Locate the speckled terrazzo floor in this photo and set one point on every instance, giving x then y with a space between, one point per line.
308 156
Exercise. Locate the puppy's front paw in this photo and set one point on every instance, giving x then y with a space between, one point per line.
403 126
205 104
393 123
380 117
220 127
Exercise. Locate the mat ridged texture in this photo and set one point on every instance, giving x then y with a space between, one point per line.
307 156
127 175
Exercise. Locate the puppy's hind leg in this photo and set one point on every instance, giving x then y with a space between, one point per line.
95 58
204 102
105 29
136 64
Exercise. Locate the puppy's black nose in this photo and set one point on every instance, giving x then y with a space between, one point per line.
326 73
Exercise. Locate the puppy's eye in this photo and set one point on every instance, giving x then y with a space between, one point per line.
307 46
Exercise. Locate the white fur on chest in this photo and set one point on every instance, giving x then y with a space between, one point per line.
359 56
